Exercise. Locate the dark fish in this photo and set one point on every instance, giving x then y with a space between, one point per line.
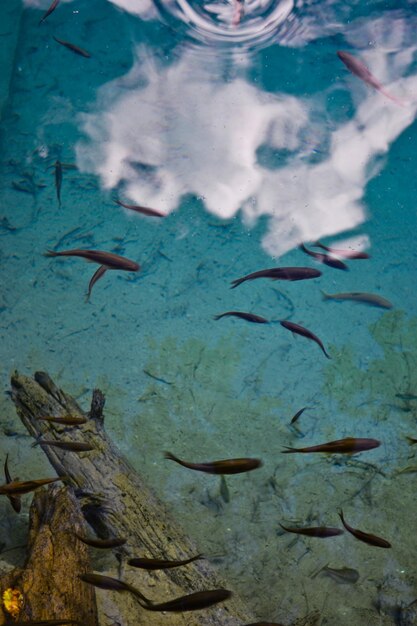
101 543
15 501
72 446
359 296
141 209
304 332
350 445
317 531
280 273
344 575
228 466
113 584
361 71
373 540
224 489
73 48
325 258
96 276
406 396
68 420
152 564
344 254
249 317
192 602
49 11
58 180
17 488
298 414
108 259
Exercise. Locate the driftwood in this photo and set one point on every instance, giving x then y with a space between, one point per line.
47 590
116 503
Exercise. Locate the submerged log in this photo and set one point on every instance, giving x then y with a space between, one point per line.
43 589
117 503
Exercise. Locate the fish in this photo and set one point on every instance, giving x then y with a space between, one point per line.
73 47
315 531
298 414
249 317
141 209
112 584
17 488
67 420
58 180
224 489
72 446
153 564
280 273
115 542
15 501
96 276
344 254
52 7
325 258
372 540
192 602
108 259
406 396
360 70
304 332
350 445
228 466
359 296
343 575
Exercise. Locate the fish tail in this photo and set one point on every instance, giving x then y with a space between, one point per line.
325 295
37 441
288 450
217 317
50 253
236 283
170 456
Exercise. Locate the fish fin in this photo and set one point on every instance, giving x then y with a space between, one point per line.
288 450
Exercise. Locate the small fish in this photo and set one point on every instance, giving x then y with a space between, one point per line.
228 466
15 501
52 7
344 254
72 446
372 540
113 584
108 259
406 396
224 489
325 258
17 488
304 332
96 276
141 209
350 445
249 317
153 564
73 47
316 531
115 542
298 414
359 296
58 180
361 71
192 602
68 420
344 575
280 273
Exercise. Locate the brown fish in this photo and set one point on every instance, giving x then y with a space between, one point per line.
361 71
113 584
249 317
52 7
72 446
108 259
58 180
344 254
141 209
15 501
153 564
280 273
228 466
372 540
68 420
304 332
192 602
325 258
96 276
17 488
350 445
115 542
359 296
316 531
73 48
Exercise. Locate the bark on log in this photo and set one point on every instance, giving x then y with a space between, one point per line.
116 502
49 591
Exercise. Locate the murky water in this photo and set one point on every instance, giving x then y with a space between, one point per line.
240 122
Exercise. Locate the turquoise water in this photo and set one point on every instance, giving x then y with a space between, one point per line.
253 136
